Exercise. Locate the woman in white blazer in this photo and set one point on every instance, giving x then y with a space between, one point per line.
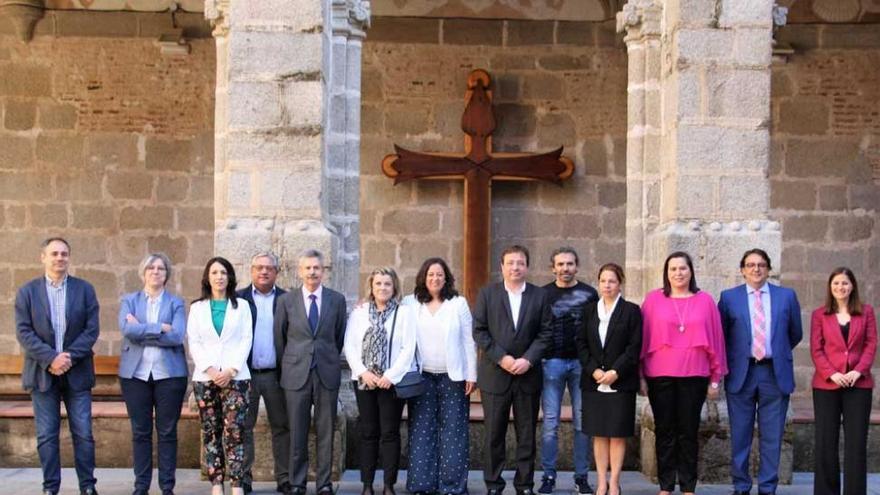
445 349
219 335
380 345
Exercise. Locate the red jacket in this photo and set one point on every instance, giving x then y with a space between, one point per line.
832 355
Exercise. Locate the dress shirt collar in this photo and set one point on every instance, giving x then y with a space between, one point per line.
256 292
317 292
51 283
154 299
513 291
765 289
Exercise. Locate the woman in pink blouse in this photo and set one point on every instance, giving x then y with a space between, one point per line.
683 361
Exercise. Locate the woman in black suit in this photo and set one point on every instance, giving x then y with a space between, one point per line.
609 344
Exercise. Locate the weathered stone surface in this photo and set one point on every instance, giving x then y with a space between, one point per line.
721 147
540 86
20 115
404 30
295 15
266 54
16 153
174 246
749 12
793 195
195 218
472 32
93 217
112 149
810 228
171 188
168 154
852 228
51 215
21 186
821 158
800 36
575 33
130 185
832 198
739 93
408 222
529 33
105 24
57 116
25 80
60 150
857 36
80 186
804 116
254 104
147 217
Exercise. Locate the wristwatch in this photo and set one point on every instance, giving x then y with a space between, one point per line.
714 385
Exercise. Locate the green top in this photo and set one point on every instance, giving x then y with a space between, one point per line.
218 313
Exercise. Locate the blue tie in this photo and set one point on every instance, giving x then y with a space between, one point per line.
313 314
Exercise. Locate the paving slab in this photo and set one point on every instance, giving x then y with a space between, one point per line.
26 481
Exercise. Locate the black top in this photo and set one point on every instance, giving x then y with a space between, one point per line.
844 329
567 305
623 346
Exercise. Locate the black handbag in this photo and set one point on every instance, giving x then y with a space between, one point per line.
411 385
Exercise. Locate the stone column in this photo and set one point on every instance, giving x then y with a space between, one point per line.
698 137
286 126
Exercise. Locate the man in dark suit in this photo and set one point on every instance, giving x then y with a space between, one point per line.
762 325
264 362
512 327
309 333
56 322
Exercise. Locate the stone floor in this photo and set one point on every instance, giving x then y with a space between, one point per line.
118 482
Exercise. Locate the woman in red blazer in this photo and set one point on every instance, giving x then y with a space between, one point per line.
843 342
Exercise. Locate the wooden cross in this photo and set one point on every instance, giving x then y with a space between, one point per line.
478 167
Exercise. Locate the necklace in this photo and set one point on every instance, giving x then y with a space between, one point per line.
679 314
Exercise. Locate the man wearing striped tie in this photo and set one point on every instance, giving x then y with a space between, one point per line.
762 325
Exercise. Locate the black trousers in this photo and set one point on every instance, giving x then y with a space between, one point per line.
379 414
676 403
525 418
854 405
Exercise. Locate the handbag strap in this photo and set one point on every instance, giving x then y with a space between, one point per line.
391 340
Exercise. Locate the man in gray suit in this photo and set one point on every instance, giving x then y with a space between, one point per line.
264 362
309 332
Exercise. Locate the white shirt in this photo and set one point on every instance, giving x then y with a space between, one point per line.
515 298
403 347
308 302
431 339
151 360
605 317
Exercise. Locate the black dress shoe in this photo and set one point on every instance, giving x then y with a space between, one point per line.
527 491
297 490
247 487
168 492
283 487
49 492
368 490
737 492
494 491
326 490
89 491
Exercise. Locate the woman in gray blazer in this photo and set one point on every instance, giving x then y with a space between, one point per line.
152 371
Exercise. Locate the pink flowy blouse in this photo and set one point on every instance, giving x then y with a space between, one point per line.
696 351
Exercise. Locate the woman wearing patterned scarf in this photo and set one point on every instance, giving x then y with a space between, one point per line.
380 344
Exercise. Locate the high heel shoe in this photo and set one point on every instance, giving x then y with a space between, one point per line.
388 490
368 490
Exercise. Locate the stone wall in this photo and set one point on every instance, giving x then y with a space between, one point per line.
110 144
555 83
825 166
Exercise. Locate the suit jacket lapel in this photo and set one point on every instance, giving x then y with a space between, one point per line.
70 299
612 323
321 311
526 298
140 307
743 307
505 300
43 297
299 307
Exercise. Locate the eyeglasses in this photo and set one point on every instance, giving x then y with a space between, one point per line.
751 266
260 268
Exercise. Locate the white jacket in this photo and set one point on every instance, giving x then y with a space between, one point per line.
461 351
403 347
228 350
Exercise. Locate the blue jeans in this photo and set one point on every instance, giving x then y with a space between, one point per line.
47 417
141 399
559 373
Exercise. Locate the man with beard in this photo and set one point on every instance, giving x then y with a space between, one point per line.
567 297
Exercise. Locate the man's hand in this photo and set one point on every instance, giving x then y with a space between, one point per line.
608 378
506 364
61 364
520 366
598 373
131 319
